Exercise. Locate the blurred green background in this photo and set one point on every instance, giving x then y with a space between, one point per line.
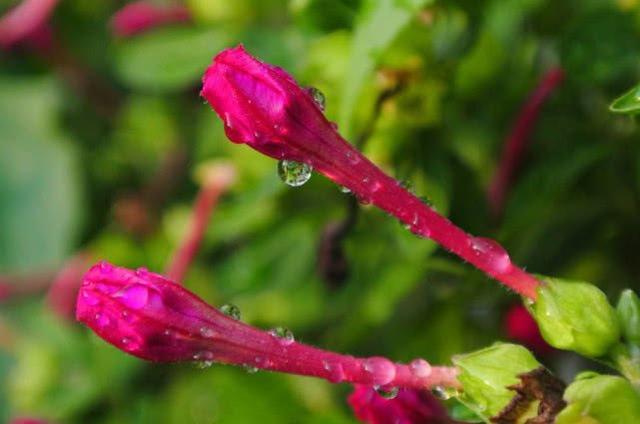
101 138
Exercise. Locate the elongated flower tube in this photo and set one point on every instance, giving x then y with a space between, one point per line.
153 318
408 406
263 106
143 15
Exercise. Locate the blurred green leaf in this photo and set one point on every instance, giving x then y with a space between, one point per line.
628 103
377 24
168 59
600 399
39 181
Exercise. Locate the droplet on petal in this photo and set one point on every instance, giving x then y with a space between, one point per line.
293 173
284 335
135 296
231 310
318 97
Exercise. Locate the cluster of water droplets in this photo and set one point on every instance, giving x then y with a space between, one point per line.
294 174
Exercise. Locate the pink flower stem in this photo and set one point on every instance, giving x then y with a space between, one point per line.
153 318
348 167
516 143
218 182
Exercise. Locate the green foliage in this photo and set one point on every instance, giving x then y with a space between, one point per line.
39 183
575 316
628 103
600 399
485 375
101 120
167 59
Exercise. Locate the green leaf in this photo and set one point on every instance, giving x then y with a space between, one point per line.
600 399
39 185
575 316
628 310
378 24
485 375
629 102
168 59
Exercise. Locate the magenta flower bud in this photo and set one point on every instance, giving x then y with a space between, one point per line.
409 406
263 106
153 318
23 20
143 15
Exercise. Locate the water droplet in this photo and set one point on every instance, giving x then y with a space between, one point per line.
354 158
318 97
334 125
497 258
284 335
407 185
382 370
135 296
90 299
167 333
231 310
207 332
444 393
125 340
142 272
336 372
105 266
344 189
293 173
387 393
250 368
102 320
420 368
204 359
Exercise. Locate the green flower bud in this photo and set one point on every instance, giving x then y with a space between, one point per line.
485 375
628 310
575 316
600 399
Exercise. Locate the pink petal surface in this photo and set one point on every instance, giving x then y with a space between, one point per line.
409 406
24 20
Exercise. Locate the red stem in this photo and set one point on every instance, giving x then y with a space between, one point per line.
218 182
516 143
345 165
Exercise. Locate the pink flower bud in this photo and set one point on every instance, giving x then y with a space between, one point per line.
409 406
24 20
153 318
263 106
143 15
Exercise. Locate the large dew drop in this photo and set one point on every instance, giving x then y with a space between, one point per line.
497 258
381 370
293 173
